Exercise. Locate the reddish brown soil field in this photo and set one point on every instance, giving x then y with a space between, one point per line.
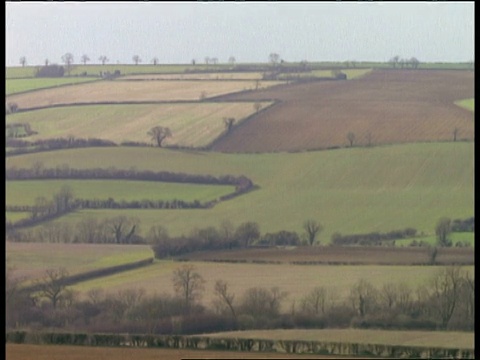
59 352
392 106
341 255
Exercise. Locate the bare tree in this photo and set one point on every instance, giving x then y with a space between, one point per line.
446 290
247 232
229 122
231 60
159 134
455 133
443 230
103 59
414 62
315 301
207 60
312 228
157 234
224 296
52 285
68 60
188 285
394 61
23 61
193 62
63 199
214 61
261 302
136 59
123 229
274 58
351 138
364 297
155 60
46 62
85 59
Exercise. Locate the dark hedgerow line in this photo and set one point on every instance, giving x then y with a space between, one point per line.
242 185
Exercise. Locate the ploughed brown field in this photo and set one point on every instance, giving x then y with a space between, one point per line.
59 352
383 107
340 255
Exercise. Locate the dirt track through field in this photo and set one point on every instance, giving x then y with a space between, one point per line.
383 107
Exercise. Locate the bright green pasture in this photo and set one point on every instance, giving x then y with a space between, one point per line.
468 237
351 190
25 192
32 259
129 69
20 85
297 280
194 125
125 69
468 104
14 216
442 339
15 72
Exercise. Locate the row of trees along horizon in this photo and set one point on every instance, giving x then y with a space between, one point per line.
445 302
273 58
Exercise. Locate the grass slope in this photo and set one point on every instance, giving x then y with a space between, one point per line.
468 104
20 85
195 124
297 280
26 191
32 259
354 190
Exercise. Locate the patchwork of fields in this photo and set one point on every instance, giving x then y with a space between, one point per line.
297 280
30 260
20 85
192 124
401 156
383 107
356 190
26 191
133 91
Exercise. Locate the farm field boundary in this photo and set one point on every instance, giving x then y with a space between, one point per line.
240 344
21 86
332 255
95 274
49 352
372 189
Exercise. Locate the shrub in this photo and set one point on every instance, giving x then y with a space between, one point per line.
50 71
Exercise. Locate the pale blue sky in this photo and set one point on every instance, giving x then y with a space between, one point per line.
180 32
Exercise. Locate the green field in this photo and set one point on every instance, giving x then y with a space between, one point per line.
14 216
32 259
297 280
125 69
468 237
25 192
20 85
356 190
468 104
351 73
195 124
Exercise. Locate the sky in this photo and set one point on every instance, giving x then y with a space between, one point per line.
177 32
